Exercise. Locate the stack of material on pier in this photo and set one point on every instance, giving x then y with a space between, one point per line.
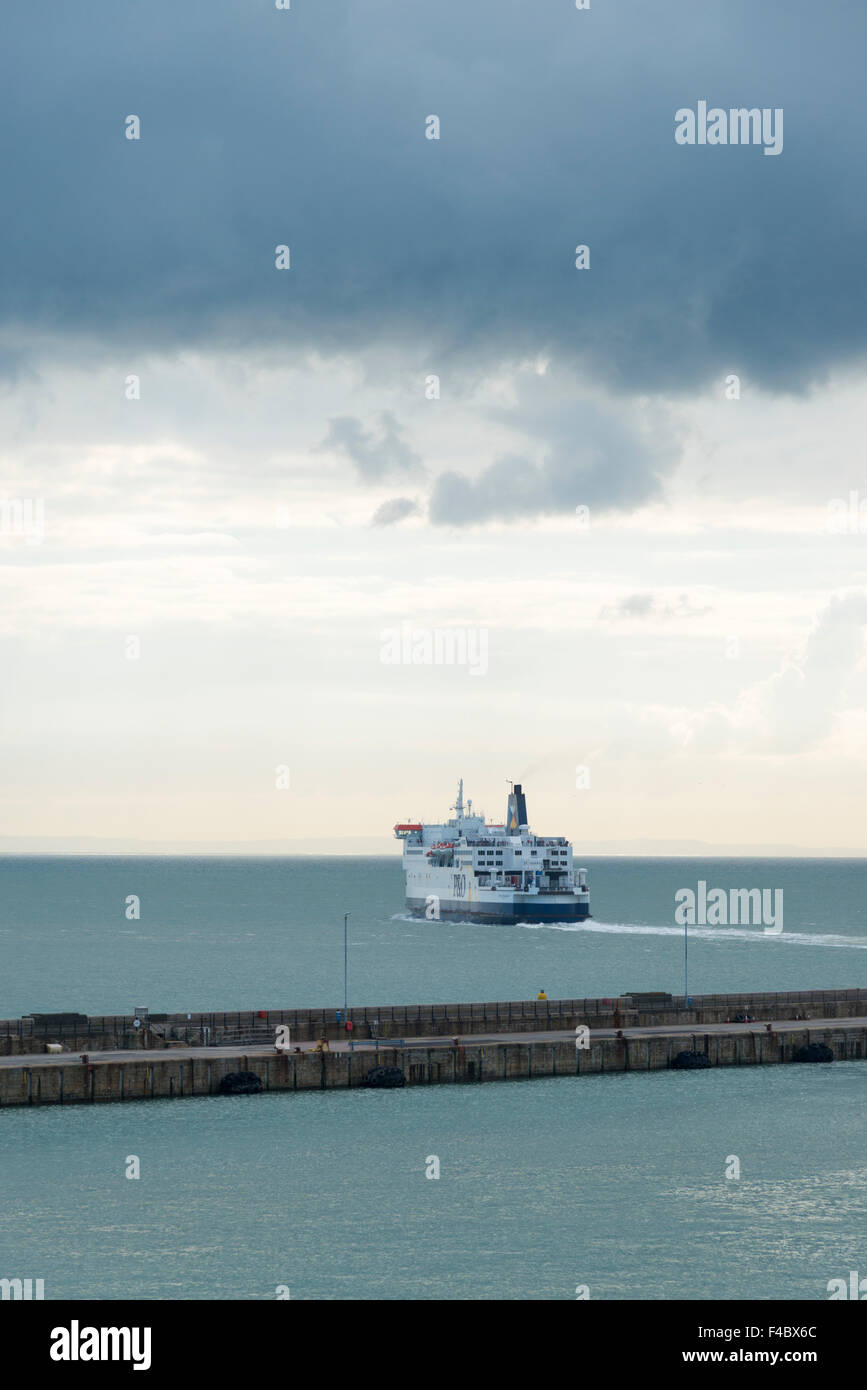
51 1023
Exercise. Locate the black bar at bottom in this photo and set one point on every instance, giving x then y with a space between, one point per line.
197 1338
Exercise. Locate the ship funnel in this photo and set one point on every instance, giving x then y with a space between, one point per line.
516 812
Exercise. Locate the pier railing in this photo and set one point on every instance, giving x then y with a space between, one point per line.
407 1020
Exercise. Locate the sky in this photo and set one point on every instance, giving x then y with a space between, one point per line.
331 469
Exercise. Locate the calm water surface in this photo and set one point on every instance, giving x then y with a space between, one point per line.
617 1182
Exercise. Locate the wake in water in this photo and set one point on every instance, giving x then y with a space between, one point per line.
855 943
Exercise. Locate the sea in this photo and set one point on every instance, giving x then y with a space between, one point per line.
727 1184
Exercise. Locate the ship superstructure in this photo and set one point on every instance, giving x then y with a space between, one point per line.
468 868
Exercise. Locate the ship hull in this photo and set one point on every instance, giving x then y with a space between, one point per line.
565 909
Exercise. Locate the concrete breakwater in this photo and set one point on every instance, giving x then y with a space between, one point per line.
52 1080
82 1033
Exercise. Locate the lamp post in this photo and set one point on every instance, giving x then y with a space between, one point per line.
345 967
685 966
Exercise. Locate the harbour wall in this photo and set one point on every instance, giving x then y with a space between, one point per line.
110 1033
63 1081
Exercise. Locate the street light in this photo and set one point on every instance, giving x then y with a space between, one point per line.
345 966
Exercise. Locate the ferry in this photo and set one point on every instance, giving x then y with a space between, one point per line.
469 869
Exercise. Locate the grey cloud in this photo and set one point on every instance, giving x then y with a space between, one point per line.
801 702
595 458
375 451
793 710
633 606
649 605
394 510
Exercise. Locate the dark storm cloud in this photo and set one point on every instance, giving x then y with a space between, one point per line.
306 127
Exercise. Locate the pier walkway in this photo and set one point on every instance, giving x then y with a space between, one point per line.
187 1070
815 1026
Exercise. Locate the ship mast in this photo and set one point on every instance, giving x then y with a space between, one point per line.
459 804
